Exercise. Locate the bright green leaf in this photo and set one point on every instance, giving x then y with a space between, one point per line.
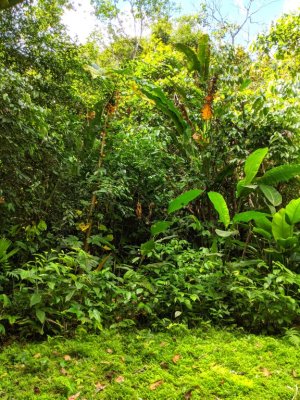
271 194
292 211
35 299
41 315
160 227
220 206
251 168
248 216
183 200
226 234
280 228
283 173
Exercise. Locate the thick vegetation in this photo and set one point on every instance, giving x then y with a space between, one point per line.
152 181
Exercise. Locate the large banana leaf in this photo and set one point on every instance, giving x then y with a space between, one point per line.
283 173
292 211
220 206
280 228
204 56
191 56
251 168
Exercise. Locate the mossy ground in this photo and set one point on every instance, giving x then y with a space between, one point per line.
178 364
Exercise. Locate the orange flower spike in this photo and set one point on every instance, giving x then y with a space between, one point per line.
206 112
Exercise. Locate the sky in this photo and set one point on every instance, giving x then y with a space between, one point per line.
81 22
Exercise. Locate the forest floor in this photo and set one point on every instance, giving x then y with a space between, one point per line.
177 364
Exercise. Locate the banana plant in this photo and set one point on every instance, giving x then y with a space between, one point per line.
197 61
265 183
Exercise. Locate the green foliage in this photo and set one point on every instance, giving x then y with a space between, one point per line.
220 206
183 200
251 168
252 367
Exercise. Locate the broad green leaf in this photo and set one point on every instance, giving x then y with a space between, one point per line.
288 243
271 194
248 216
283 173
292 211
263 233
264 223
160 227
220 206
41 315
35 299
204 56
147 247
226 234
192 59
183 200
280 228
251 168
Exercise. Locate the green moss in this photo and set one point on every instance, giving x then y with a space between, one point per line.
212 364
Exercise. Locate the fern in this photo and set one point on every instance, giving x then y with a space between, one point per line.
292 335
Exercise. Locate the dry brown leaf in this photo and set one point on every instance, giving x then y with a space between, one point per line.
100 386
37 355
188 395
176 358
164 365
266 372
63 371
120 379
156 384
109 351
74 397
67 357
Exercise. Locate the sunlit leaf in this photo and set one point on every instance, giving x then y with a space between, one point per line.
183 200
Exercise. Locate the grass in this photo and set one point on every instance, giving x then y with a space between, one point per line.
177 364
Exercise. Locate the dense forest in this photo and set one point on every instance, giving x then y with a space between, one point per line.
148 179
149 182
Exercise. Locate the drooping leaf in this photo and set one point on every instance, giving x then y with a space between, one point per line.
220 206
204 56
251 168
191 56
292 211
183 200
165 105
248 216
283 173
160 227
271 194
267 235
280 228
264 223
